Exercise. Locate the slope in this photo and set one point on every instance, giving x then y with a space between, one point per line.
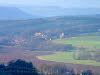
13 13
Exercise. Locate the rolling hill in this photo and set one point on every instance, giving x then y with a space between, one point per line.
69 25
13 13
22 32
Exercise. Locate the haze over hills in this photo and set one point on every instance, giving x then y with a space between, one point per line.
13 13
49 11
22 13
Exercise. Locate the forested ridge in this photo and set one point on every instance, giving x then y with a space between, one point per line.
70 25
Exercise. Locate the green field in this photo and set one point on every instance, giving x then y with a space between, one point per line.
86 38
68 58
90 41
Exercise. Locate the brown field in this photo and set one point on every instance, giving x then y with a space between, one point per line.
8 53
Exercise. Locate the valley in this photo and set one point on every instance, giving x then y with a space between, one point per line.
70 40
49 37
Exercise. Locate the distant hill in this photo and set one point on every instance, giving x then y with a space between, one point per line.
49 11
13 13
53 27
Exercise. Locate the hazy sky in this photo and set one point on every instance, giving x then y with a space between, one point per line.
61 3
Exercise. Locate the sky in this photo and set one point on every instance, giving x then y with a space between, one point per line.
59 3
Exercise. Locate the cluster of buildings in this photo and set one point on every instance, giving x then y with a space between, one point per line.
48 36
39 36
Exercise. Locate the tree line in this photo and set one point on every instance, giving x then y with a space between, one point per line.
20 67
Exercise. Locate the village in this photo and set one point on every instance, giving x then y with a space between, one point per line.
38 36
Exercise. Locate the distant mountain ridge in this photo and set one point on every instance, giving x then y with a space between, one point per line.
13 13
49 11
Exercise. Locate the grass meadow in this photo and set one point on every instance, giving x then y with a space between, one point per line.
90 42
